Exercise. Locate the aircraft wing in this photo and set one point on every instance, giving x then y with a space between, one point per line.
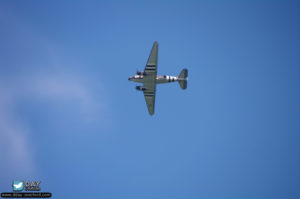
151 66
150 79
149 94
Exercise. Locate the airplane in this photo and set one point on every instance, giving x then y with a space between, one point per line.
149 78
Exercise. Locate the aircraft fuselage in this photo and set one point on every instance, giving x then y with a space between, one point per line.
160 79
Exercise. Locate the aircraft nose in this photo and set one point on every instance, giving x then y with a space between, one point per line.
129 78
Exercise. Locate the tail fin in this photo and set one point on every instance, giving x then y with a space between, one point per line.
182 78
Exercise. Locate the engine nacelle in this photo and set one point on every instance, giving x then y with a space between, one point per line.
140 88
141 73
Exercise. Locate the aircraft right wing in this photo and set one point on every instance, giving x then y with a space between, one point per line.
149 95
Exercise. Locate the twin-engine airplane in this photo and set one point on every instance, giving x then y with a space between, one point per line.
149 78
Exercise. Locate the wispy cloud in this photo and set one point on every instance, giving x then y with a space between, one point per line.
16 156
17 153
60 88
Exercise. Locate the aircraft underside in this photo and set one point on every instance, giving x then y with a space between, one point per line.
149 79
160 79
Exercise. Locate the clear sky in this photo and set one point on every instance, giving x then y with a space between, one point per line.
70 118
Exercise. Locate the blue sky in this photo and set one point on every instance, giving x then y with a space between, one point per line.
70 118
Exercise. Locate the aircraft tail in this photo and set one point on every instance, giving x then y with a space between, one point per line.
182 79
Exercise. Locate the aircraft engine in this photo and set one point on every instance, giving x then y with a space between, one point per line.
140 88
141 73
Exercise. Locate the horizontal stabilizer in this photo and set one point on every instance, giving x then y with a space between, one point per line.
183 74
183 84
182 78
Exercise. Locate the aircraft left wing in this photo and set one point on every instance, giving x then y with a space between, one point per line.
150 79
151 66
